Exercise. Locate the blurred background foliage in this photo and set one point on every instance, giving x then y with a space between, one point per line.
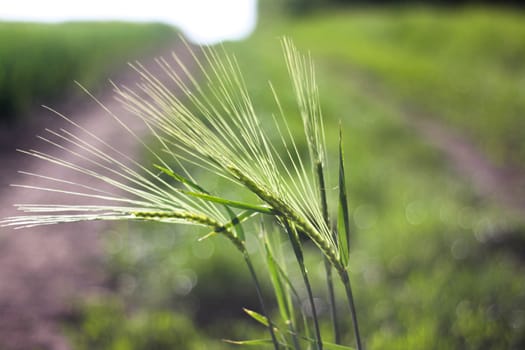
299 7
38 62
434 264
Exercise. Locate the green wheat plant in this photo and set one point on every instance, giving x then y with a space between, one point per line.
209 123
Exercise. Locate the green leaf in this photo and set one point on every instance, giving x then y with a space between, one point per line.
230 203
343 222
288 282
279 290
264 321
236 221
282 293
294 239
287 285
257 317
180 178
252 342
332 346
190 184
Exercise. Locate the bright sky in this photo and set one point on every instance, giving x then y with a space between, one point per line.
202 21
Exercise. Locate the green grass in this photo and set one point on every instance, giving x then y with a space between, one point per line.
39 62
108 326
463 67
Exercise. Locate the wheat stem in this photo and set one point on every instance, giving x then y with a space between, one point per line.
296 244
343 273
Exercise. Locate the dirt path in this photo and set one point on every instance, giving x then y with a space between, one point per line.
505 185
43 270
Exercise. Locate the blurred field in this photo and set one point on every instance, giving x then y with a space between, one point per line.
464 66
40 62
434 265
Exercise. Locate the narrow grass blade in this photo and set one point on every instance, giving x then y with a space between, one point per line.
257 317
326 345
277 283
180 178
203 194
261 319
296 244
235 222
348 289
332 346
282 293
190 184
343 222
331 300
295 295
294 240
230 203
251 342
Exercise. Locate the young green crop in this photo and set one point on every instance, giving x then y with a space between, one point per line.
212 124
